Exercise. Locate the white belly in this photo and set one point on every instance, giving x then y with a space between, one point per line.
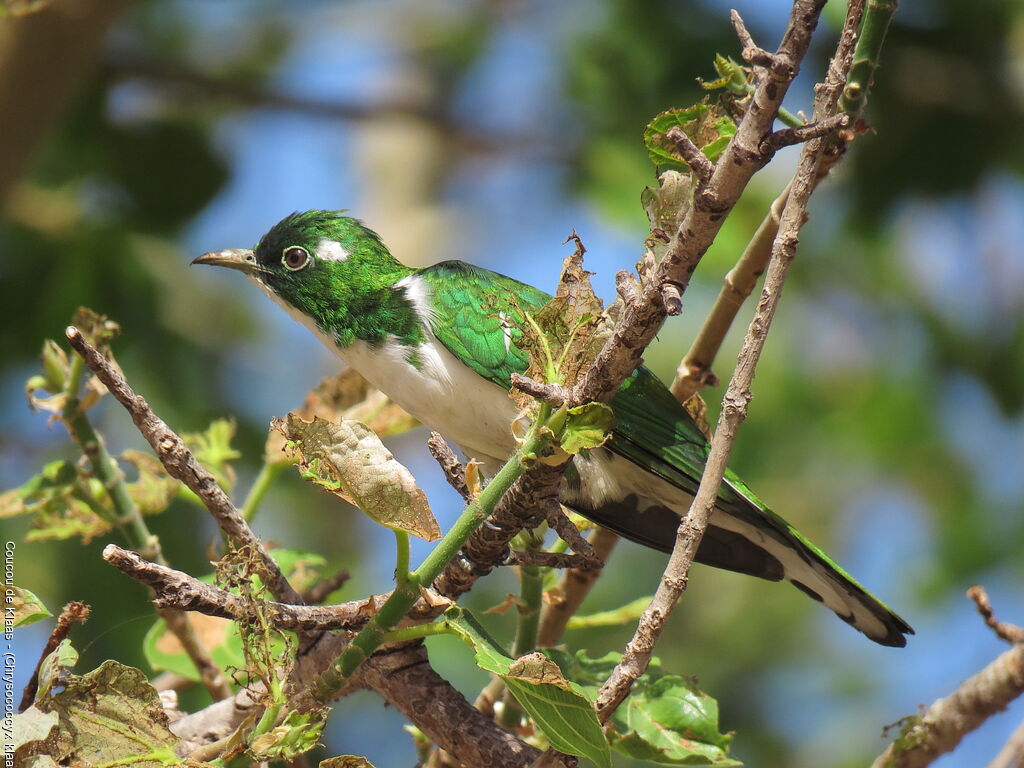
442 393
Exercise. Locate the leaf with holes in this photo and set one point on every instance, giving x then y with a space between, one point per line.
349 460
559 708
666 719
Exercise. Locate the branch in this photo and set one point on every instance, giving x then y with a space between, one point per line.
175 589
694 372
453 470
573 588
1011 633
181 464
1012 753
785 137
640 319
553 394
948 720
673 583
697 161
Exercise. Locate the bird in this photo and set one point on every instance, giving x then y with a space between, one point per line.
437 341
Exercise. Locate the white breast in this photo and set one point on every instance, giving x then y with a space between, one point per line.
440 391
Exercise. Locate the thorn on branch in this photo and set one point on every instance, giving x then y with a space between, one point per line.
751 53
785 137
1011 633
316 593
671 296
546 393
627 287
453 470
569 533
698 162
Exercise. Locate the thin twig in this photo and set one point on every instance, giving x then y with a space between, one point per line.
175 589
1011 633
72 613
319 591
546 393
673 583
700 167
751 53
785 137
925 737
181 464
569 533
574 587
453 470
551 560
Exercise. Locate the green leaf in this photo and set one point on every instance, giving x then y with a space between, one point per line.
350 461
153 490
346 761
213 450
587 426
705 124
297 733
55 668
63 501
112 715
26 607
559 708
666 719
164 653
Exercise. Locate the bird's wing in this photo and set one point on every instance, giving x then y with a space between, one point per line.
477 315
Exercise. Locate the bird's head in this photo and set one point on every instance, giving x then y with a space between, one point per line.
320 265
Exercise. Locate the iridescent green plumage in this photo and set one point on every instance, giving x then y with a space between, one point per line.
441 342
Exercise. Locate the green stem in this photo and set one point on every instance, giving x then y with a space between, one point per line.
402 558
405 595
267 475
531 593
104 466
417 632
866 55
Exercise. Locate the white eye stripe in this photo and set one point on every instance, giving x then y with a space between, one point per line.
331 250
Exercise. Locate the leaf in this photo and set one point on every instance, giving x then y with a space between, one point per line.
587 426
563 337
153 490
297 733
55 668
346 761
164 653
213 450
113 714
559 708
666 719
24 607
350 461
26 732
348 396
705 124
64 503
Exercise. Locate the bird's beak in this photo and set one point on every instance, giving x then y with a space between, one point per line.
234 258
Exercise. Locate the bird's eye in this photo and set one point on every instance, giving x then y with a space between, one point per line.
295 257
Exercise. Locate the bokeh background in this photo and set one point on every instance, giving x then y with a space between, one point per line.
887 420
